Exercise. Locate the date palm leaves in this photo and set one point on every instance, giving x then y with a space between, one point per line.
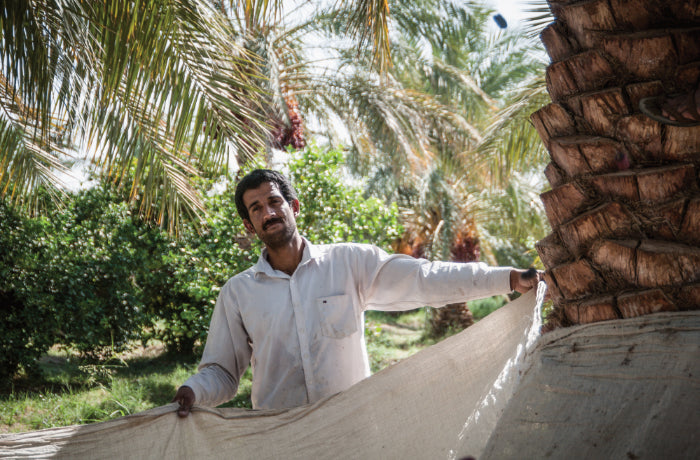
162 91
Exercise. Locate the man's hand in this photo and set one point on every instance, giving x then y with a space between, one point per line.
524 280
185 398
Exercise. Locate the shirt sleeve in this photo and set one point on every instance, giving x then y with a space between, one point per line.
226 354
401 282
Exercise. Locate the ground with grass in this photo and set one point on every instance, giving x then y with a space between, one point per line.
71 390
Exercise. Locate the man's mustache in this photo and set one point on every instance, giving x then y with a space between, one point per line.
275 220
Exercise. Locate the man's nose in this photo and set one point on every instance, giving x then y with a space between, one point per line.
269 212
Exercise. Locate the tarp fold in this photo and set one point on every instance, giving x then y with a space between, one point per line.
618 389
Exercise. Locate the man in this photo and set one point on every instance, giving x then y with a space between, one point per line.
297 315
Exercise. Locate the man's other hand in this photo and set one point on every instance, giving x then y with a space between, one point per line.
524 280
185 398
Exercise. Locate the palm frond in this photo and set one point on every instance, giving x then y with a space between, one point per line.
26 166
369 25
539 16
511 141
158 81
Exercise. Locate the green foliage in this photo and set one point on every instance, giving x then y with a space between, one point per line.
27 323
517 223
484 307
97 278
98 250
332 211
392 336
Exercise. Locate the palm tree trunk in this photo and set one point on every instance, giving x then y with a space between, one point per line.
452 317
625 201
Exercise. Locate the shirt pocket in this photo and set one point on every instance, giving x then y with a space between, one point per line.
336 315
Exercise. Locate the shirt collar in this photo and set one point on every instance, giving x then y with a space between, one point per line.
311 252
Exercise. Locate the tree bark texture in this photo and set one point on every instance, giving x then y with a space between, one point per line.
625 199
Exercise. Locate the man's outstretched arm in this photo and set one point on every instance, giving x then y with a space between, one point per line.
524 280
388 282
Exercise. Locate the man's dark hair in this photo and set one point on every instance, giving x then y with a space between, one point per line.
257 177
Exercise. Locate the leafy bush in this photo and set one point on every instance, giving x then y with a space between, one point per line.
331 210
28 324
97 251
95 277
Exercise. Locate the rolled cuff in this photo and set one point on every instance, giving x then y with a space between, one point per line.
212 386
501 279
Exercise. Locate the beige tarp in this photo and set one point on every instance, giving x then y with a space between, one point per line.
627 389
582 393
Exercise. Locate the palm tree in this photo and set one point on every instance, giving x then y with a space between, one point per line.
448 78
624 204
162 91
139 84
430 134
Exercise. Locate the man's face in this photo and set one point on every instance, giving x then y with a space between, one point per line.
270 216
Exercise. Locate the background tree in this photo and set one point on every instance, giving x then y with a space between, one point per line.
431 136
446 62
157 91
98 279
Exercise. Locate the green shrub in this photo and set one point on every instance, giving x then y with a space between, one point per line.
484 307
96 277
99 250
331 210
28 322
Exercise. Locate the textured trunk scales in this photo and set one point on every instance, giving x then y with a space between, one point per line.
625 199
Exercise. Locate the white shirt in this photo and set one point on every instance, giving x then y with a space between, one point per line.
304 334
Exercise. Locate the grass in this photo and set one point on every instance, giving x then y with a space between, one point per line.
483 307
391 337
71 391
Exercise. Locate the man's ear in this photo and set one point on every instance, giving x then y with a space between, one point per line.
248 226
295 207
